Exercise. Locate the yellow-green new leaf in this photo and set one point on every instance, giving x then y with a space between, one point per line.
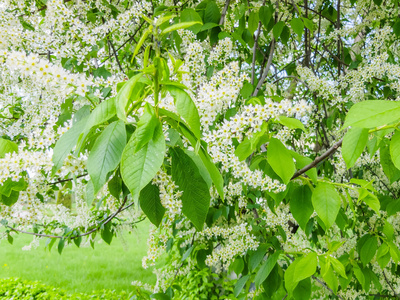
178 26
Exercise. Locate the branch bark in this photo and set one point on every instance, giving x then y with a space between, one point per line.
316 161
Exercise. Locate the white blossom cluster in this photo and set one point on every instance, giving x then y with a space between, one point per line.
237 240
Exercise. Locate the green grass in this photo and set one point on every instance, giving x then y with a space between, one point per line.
82 269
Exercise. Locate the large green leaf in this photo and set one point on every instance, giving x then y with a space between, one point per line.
212 13
302 268
65 144
124 96
106 153
186 108
302 291
150 203
178 124
353 145
139 167
280 160
190 15
372 113
301 205
395 149
103 112
7 146
266 268
196 195
326 202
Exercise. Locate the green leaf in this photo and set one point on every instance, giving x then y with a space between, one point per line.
150 203
253 22
277 30
390 170
257 257
200 165
240 284
124 95
368 250
303 290
306 266
331 279
291 123
395 149
353 145
338 266
103 112
7 146
186 108
297 26
214 172
196 195
372 113
326 202
10 200
106 233
301 162
190 15
372 201
10 185
308 23
145 127
280 160
301 205
266 268
139 167
237 266
383 255
65 144
106 153
178 26
265 15
60 246
212 13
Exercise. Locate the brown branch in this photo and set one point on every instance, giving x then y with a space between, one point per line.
390 285
223 14
266 69
65 180
102 223
316 161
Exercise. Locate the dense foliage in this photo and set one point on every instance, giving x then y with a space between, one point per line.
15 288
259 137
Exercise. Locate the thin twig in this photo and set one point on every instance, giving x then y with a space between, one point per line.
390 285
65 180
102 223
324 156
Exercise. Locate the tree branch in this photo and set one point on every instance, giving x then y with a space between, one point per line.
102 223
266 69
223 14
316 161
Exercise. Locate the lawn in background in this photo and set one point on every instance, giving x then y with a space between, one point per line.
82 269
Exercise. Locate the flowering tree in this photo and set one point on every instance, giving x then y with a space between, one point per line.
260 138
